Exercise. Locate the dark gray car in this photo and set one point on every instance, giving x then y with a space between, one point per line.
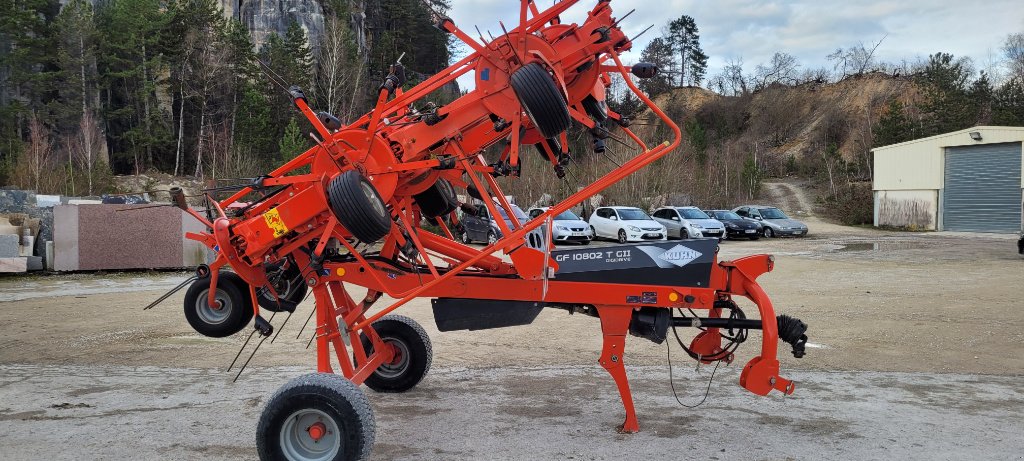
480 227
773 220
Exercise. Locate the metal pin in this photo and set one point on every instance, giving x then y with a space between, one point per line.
169 293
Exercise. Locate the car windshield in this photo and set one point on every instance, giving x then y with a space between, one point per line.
726 215
690 213
515 210
773 213
633 214
567 216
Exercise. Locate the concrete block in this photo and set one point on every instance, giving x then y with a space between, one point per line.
35 263
16 265
65 238
47 201
49 255
10 246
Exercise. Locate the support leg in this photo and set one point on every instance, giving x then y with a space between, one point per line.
614 326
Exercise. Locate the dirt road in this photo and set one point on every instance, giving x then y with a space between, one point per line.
914 337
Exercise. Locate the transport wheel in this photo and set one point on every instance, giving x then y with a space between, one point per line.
413 354
438 200
542 100
594 109
768 232
231 314
553 144
290 288
491 238
622 236
316 417
358 206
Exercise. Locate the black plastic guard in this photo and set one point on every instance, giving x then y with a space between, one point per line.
453 314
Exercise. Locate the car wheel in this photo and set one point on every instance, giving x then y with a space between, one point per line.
622 236
464 237
768 232
491 238
683 234
594 231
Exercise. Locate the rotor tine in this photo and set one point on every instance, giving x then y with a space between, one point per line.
239 354
307 323
285 322
641 33
240 370
616 23
311 340
169 293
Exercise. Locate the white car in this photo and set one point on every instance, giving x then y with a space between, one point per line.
689 222
567 227
625 224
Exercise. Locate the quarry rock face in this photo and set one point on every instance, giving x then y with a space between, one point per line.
265 17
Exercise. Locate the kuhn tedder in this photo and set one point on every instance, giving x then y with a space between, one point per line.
348 212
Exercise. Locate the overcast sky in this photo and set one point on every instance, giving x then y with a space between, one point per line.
753 30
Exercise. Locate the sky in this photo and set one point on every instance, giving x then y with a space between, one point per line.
754 30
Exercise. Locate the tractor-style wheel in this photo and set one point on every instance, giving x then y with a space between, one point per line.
553 144
438 200
413 354
316 417
358 206
542 100
232 312
290 288
622 236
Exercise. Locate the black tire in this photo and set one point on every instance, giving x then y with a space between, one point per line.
542 100
622 236
594 109
768 232
594 231
413 363
336 403
358 206
553 144
683 234
230 318
464 237
290 288
438 200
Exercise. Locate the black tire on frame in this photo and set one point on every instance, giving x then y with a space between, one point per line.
415 354
358 206
438 200
334 402
234 313
543 101
290 288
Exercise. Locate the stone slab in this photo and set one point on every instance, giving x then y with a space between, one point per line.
129 237
10 246
15 265
65 238
35 263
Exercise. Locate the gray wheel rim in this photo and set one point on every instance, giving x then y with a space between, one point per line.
622 237
283 289
769 232
210 315
464 236
298 445
371 196
394 370
491 239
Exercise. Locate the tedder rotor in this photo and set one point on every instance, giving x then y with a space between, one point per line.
347 212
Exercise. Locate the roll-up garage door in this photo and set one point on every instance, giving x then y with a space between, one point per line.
983 188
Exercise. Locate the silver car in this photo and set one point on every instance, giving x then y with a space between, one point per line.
689 222
773 220
567 227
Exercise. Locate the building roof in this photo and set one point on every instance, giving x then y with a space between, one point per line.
962 137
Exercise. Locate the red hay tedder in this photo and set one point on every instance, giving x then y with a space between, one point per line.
370 184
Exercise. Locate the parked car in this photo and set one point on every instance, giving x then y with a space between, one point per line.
736 226
774 222
567 227
625 224
688 222
480 227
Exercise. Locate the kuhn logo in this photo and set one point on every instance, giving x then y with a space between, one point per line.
680 255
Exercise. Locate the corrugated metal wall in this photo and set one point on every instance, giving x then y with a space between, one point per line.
982 190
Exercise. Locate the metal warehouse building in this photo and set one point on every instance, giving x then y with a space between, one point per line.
968 180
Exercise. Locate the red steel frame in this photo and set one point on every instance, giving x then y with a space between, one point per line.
402 158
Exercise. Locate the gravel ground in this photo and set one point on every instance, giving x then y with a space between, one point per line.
916 353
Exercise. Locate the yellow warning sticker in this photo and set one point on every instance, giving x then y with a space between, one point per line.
275 223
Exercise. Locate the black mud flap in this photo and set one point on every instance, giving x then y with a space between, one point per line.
684 263
453 314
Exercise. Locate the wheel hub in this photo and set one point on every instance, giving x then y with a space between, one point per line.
317 431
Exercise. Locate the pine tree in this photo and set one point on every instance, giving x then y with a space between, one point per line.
684 38
292 143
660 53
946 105
894 126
